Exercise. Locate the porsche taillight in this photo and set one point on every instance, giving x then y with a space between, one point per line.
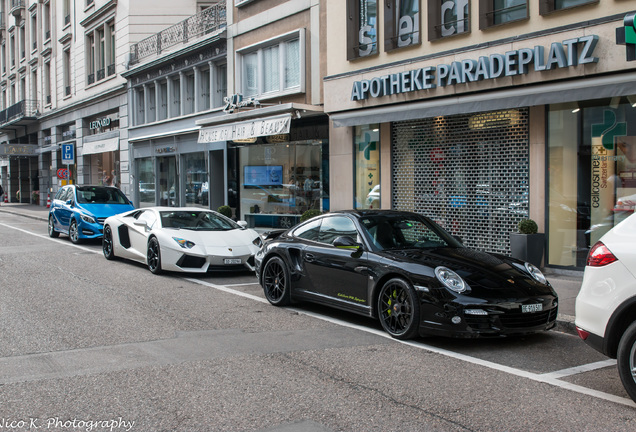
600 256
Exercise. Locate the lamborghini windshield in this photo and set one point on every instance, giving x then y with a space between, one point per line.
196 220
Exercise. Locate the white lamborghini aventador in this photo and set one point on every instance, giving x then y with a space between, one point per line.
180 239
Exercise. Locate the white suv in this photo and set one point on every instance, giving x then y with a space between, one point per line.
606 304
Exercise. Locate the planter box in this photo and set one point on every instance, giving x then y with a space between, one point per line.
527 247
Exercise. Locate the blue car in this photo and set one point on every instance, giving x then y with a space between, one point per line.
80 211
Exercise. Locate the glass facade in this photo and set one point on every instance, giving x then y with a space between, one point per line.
591 175
367 169
146 179
278 182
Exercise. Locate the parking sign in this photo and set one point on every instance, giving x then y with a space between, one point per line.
68 154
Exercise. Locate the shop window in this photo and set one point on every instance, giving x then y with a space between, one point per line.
367 168
546 7
362 28
280 181
448 18
401 24
591 175
273 68
497 12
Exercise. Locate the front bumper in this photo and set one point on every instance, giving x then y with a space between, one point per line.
468 321
90 230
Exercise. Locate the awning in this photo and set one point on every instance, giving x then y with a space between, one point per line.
102 146
517 97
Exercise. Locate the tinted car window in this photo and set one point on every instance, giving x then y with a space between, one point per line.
337 226
308 231
60 194
100 195
404 232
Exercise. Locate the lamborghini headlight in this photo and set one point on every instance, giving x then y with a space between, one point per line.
186 244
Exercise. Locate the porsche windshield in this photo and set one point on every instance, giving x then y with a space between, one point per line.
388 232
196 220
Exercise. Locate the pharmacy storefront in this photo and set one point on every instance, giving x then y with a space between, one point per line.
546 131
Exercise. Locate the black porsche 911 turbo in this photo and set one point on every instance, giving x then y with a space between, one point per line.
407 271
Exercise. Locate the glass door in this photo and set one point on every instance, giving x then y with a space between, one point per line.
168 181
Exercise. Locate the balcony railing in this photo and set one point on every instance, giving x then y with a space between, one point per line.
206 21
24 108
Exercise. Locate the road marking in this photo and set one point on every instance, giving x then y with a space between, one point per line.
580 369
543 378
549 378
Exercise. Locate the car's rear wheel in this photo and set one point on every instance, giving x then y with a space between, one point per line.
153 256
52 232
626 359
398 309
107 243
73 232
276 283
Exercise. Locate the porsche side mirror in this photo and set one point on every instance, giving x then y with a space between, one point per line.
346 242
459 239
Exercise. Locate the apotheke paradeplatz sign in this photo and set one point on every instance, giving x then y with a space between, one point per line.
569 53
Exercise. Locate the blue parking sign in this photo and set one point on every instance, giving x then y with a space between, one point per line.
68 154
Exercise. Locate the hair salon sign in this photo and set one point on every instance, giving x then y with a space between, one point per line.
569 53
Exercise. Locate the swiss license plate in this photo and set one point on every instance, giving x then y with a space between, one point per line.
532 308
235 261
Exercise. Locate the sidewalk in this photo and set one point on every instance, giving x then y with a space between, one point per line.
565 282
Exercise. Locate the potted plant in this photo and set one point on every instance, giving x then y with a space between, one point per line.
527 244
309 214
225 211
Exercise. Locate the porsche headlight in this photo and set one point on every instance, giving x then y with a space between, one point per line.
450 279
536 273
258 241
186 244
87 218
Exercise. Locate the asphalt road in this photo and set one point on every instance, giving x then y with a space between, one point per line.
92 345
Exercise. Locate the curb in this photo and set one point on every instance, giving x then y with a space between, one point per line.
565 324
43 219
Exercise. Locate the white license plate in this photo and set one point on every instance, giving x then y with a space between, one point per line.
232 261
532 308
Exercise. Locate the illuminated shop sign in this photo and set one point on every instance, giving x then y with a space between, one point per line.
571 52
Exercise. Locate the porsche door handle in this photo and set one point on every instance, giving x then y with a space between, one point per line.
310 257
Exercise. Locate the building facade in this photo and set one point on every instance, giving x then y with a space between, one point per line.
272 123
64 102
483 113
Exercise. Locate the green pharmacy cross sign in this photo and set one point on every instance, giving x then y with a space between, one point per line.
609 129
626 35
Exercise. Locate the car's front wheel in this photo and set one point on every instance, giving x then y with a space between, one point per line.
398 309
52 232
153 256
107 243
626 358
73 232
276 282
